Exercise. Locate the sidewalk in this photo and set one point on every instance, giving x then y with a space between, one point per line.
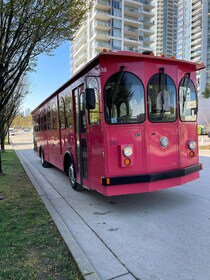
107 264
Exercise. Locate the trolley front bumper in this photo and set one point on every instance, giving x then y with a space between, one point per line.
145 178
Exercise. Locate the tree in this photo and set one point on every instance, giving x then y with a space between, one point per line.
29 28
206 93
12 108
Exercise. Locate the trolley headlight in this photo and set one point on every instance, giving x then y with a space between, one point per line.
127 151
164 142
192 145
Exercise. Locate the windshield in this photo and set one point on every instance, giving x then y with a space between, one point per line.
188 100
162 98
124 99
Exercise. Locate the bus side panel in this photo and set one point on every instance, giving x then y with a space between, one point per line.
54 147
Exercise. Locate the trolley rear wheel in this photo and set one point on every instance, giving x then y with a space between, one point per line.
43 161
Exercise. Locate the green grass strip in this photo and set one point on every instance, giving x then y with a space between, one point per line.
30 244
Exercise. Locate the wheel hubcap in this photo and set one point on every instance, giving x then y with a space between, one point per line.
71 174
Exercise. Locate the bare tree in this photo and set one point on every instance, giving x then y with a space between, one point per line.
12 108
10 111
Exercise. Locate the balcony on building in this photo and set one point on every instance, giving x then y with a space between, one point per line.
100 45
130 48
103 5
147 13
196 32
148 4
80 49
130 30
102 15
133 3
196 18
131 12
148 22
147 40
102 25
195 44
132 39
196 4
100 35
146 30
132 21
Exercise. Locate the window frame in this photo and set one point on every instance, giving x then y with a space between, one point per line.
196 100
135 120
162 94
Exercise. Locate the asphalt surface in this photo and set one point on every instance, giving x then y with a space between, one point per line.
163 235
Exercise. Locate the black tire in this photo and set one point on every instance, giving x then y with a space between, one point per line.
43 161
72 178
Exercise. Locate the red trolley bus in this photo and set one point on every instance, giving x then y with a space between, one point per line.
126 123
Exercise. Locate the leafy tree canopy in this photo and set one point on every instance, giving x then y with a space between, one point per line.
29 28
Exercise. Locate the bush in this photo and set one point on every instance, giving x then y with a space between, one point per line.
206 93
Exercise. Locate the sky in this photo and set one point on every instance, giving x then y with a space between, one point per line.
51 73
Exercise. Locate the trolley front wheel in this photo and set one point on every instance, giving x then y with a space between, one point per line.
72 178
43 161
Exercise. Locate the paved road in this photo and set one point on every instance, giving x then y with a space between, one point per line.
162 235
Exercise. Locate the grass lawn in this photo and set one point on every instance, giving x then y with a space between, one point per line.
30 244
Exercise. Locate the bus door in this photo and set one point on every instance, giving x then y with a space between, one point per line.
81 137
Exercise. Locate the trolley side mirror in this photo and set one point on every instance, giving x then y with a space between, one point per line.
90 98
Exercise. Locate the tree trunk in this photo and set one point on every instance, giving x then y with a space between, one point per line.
1 171
3 144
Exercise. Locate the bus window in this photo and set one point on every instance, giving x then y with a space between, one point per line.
62 113
54 116
48 118
124 99
162 98
41 121
188 100
94 114
44 120
68 106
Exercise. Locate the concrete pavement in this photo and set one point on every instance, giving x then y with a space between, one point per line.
153 236
64 217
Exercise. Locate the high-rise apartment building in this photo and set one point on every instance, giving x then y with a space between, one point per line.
166 27
116 25
184 16
190 33
206 39
192 44
196 30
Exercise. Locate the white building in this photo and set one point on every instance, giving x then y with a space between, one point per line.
192 44
114 25
166 27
